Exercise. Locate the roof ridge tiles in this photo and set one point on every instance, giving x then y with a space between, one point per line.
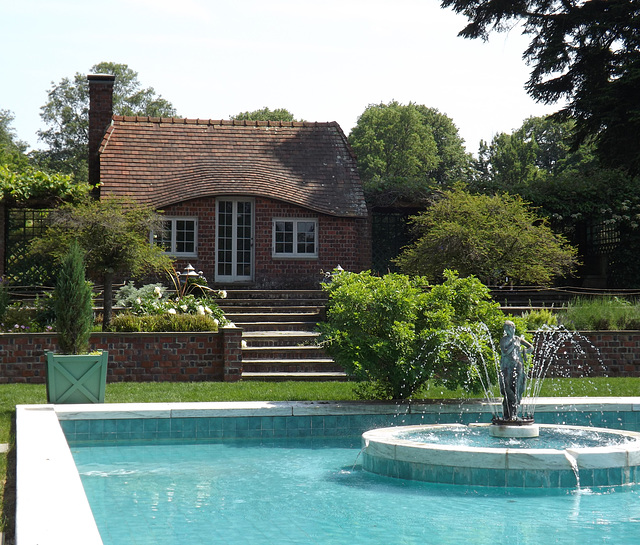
221 122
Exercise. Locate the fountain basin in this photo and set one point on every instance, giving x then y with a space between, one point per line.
418 453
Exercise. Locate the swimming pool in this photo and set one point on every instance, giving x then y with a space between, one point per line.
312 449
312 491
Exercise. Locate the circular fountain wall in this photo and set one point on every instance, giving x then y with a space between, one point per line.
605 457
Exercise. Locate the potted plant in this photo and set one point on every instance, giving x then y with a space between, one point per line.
73 374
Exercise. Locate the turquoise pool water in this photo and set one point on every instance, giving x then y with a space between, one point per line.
312 491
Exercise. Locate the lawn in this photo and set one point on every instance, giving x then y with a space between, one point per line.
20 394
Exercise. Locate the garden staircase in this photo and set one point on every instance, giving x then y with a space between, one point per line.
280 334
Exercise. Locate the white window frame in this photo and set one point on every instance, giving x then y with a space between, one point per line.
174 221
294 253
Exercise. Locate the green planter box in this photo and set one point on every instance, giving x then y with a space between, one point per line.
76 379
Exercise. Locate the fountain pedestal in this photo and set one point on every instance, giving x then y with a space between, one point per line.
514 431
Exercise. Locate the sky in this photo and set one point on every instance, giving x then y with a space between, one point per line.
323 60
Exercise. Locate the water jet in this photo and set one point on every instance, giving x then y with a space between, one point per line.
512 450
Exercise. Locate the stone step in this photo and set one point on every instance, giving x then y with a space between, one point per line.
309 365
243 317
282 352
298 376
266 309
280 338
276 326
275 295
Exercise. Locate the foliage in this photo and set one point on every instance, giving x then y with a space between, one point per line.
387 332
29 317
602 313
163 322
571 188
66 114
583 52
73 304
155 299
536 319
114 235
266 114
12 150
403 151
20 186
497 238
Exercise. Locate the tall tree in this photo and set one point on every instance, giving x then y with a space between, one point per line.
587 53
12 150
406 150
496 238
266 114
67 116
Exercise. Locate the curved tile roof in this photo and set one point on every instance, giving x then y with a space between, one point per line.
161 161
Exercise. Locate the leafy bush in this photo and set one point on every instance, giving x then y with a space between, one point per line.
163 322
389 332
605 313
535 319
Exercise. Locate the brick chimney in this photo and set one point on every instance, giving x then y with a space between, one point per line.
100 114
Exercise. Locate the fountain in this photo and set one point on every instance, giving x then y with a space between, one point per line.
512 450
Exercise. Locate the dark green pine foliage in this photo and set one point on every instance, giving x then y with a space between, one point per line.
73 304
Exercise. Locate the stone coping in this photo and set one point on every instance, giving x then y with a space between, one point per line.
49 489
387 453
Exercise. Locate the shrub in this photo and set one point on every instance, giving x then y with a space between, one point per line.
535 319
163 322
389 332
604 313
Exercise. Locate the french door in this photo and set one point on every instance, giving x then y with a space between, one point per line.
234 240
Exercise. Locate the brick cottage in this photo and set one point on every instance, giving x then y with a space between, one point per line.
249 203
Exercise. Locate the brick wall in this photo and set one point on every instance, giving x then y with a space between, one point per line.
134 357
342 241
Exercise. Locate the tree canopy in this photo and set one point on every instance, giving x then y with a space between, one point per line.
114 236
496 238
20 182
266 114
66 114
587 53
404 151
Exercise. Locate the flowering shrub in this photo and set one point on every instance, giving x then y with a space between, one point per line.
156 300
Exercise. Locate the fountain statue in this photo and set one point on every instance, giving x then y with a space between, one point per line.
509 451
513 376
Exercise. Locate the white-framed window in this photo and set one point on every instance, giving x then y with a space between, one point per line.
295 237
179 236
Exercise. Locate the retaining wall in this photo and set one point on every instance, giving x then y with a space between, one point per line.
134 357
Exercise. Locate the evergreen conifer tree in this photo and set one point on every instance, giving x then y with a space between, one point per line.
73 304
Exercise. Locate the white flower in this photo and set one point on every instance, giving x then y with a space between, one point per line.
171 311
230 324
222 294
158 291
200 310
208 310
184 308
215 321
139 301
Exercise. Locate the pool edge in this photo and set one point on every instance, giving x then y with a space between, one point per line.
45 464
